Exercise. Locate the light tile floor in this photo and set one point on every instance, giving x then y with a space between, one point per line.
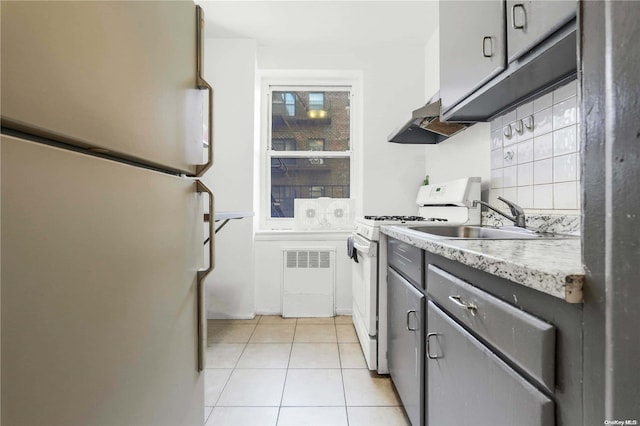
293 372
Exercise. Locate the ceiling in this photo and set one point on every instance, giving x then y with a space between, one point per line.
331 23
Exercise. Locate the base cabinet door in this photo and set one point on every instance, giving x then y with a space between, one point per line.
469 384
406 344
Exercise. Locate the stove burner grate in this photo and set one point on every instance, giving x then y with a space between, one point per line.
406 218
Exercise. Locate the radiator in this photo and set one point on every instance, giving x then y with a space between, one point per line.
308 282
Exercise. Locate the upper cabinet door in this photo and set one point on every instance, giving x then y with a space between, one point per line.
115 76
529 22
472 46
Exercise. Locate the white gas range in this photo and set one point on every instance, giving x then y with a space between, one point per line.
443 204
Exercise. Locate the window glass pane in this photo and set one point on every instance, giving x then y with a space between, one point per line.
316 144
283 144
307 178
302 116
316 101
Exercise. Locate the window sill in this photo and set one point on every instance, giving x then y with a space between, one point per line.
297 235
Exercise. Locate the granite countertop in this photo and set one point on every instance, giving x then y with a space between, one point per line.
552 266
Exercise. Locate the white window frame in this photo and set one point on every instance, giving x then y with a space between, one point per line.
320 81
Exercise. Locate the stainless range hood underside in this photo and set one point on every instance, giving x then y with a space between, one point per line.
425 127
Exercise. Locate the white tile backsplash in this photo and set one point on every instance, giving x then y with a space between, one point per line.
565 168
525 174
496 158
525 151
543 171
497 179
538 168
525 197
543 146
543 122
543 102
510 156
496 139
565 141
565 195
565 113
543 196
510 176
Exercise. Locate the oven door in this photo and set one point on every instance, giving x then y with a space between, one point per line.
365 296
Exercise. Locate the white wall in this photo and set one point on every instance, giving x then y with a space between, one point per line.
466 154
230 67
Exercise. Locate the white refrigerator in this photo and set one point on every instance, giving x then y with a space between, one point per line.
102 243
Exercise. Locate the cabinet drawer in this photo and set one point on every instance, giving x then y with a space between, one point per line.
406 259
469 384
524 339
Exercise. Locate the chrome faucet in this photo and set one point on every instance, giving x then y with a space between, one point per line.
517 211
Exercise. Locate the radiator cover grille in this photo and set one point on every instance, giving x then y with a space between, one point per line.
302 259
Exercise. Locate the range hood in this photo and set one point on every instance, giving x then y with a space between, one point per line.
425 126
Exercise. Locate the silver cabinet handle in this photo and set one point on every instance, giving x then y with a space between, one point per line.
464 305
409 312
528 122
507 131
484 46
202 311
429 355
519 127
202 84
513 16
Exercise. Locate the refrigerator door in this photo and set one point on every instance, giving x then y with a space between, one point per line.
106 75
99 291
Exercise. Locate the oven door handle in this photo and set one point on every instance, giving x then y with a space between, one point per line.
361 248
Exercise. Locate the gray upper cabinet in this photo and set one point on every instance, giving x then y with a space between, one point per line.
472 46
529 22
497 54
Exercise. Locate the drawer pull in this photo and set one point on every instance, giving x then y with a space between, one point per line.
487 53
466 306
409 312
523 14
429 355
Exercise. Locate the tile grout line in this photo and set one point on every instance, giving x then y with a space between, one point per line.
344 391
233 369
286 374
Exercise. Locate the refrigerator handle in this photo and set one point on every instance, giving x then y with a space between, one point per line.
202 311
202 84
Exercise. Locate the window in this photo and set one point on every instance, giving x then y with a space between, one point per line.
316 101
284 103
309 154
316 144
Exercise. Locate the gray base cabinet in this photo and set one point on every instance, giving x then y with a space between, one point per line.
406 306
469 384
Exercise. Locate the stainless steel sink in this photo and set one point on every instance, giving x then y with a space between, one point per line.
483 232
